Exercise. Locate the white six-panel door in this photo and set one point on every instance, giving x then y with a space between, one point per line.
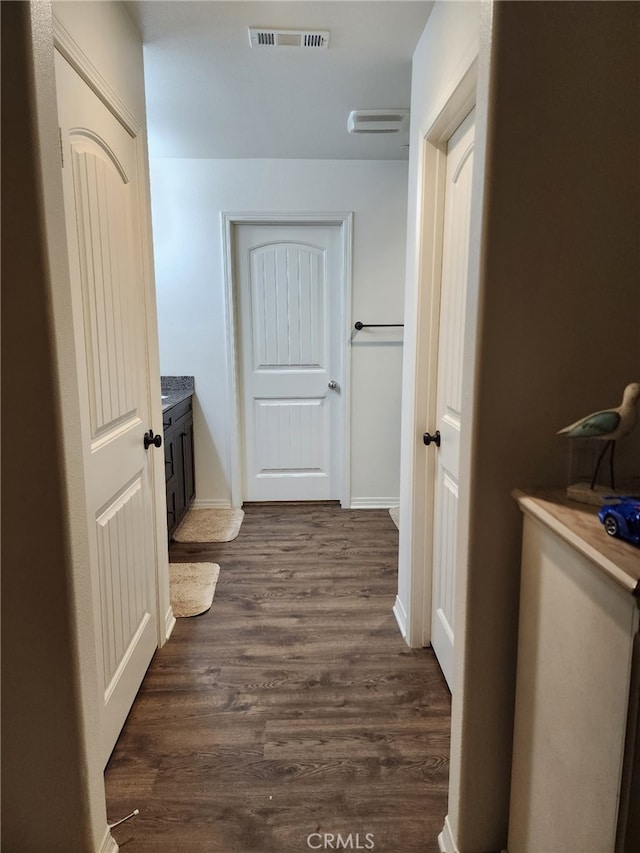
457 219
289 323
100 179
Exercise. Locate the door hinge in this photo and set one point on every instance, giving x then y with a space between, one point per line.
61 148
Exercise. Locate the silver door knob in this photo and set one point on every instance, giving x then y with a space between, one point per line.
333 385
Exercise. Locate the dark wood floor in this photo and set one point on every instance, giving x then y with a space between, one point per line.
292 707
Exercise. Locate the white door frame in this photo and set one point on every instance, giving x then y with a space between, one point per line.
435 133
231 219
78 59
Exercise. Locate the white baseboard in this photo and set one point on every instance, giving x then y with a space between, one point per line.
445 839
109 844
401 617
212 503
373 503
356 503
169 623
446 844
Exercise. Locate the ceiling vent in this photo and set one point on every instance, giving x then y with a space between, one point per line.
378 121
288 38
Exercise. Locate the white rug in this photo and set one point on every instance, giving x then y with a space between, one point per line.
209 525
394 512
191 587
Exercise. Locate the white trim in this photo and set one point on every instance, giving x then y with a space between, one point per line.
458 99
109 844
73 53
451 110
401 617
374 503
235 469
445 839
211 503
152 355
169 623
229 219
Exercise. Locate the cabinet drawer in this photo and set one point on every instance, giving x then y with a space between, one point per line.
176 412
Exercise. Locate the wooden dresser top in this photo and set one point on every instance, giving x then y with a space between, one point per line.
579 525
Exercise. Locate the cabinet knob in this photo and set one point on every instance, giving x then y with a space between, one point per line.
150 438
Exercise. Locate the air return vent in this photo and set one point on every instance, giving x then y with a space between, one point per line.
260 37
378 121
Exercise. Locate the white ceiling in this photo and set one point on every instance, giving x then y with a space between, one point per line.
209 94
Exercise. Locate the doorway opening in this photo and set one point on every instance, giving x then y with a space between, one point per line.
415 621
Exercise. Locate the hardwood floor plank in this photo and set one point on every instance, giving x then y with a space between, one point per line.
292 706
292 739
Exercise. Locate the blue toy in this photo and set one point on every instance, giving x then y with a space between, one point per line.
622 519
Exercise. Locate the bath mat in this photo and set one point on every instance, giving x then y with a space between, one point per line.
209 525
394 512
191 587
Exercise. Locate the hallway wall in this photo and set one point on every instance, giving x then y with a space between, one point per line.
558 334
188 197
552 328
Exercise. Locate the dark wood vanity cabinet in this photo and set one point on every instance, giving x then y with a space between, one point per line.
178 461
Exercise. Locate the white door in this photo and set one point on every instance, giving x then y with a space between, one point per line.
455 255
100 180
289 291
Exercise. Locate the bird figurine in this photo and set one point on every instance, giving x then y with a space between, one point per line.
608 425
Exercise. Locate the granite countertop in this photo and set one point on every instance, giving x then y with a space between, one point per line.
174 397
578 524
175 389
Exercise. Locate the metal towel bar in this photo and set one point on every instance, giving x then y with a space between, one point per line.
358 325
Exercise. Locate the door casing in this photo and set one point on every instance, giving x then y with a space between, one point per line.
435 134
453 285
229 221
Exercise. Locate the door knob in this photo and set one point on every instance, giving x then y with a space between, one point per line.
435 439
333 385
150 438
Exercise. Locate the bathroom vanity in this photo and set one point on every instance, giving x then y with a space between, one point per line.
177 422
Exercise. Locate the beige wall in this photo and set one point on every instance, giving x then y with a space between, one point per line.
559 332
53 788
